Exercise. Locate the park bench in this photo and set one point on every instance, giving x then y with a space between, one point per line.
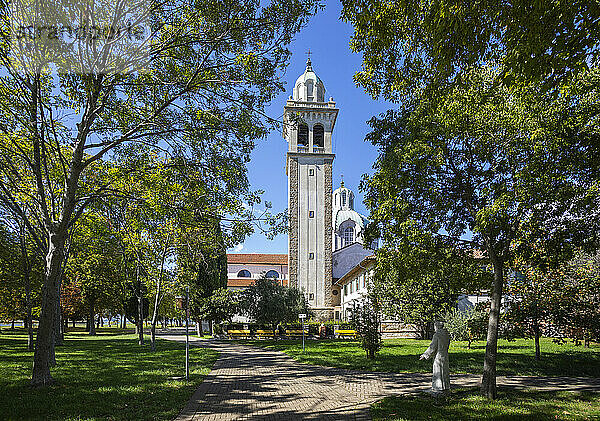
295 333
238 333
345 334
265 334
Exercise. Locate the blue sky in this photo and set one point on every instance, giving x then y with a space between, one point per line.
328 40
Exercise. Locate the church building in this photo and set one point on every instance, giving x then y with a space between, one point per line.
326 233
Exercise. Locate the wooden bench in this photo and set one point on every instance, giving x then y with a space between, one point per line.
295 333
238 333
265 334
346 333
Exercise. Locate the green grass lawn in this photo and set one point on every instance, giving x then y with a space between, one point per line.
402 355
465 404
108 376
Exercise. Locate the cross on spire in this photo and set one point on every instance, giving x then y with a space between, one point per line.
308 62
342 183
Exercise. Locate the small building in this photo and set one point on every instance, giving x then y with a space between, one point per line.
353 287
244 269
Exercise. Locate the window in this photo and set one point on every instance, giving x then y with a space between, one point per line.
346 289
334 292
311 171
337 315
351 285
348 236
364 279
311 296
303 135
272 274
318 135
244 274
357 284
343 198
311 214
311 256
309 91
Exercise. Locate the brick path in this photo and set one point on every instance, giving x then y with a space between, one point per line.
257 384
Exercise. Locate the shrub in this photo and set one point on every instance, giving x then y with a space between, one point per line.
466 325
366 322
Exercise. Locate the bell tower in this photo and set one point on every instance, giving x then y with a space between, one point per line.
308 124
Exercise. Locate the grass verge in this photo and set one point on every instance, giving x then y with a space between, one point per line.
108 376
466 404
402 355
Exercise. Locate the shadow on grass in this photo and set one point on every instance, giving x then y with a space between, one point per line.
466 404
402 355
106 376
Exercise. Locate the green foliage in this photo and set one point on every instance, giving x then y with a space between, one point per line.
366 319
563 302
466 325
268 302
407 46
417 284
578 308
220 306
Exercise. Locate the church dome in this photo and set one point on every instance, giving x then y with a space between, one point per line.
308 86
343 198
348 225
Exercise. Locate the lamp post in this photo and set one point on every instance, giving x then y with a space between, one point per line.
183 303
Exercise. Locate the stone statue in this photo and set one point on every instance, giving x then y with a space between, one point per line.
441 371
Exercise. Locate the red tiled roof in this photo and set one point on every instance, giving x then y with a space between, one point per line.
257 258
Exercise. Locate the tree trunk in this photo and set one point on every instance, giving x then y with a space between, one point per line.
58 331
199 328
153 337
140 319
73 323
44 344
92 316
12 325
536 334
488 381
211 327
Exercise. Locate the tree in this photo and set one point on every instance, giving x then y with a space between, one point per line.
411 46
220 306
366 319
93 265
268 302
478 161
466 324
416 283
530 300
577 310
197 89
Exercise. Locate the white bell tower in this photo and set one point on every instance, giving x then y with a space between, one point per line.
308 125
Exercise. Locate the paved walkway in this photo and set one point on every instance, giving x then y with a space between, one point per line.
257 384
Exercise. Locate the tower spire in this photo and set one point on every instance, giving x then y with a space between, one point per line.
342 183
308 62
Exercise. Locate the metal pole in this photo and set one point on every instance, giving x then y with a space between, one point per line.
187 338
303 336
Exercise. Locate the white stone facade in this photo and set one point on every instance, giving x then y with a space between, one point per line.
308 125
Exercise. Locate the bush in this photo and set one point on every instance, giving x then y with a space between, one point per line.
466 325
366 322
